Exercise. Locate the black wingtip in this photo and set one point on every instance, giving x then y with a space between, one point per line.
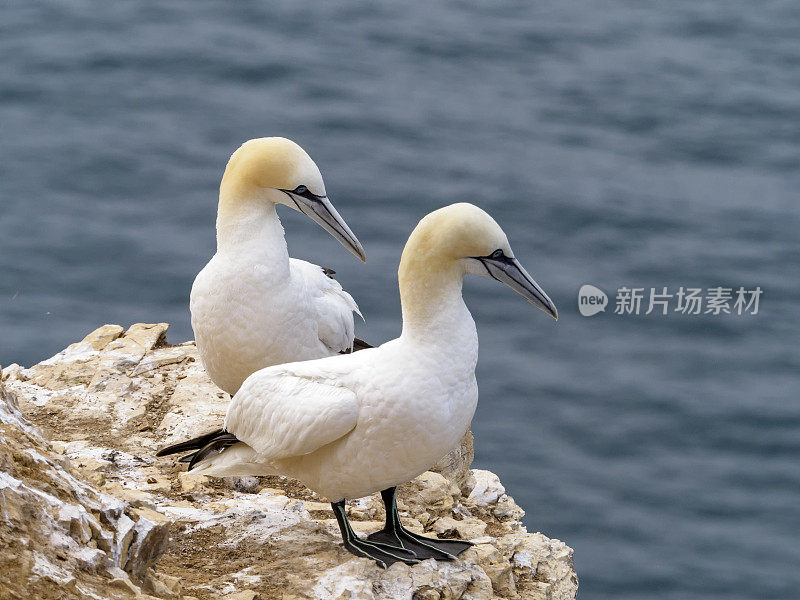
360 345
216 445
192 444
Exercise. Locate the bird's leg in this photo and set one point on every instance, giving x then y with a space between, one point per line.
382 553
424 547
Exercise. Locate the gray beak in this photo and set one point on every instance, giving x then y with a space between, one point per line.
510 272
321 211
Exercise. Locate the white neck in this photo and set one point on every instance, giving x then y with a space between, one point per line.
248 225
434 311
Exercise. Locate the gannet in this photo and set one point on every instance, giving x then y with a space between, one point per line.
252 306
350 425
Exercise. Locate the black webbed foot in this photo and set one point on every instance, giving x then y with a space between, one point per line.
423 547
382 553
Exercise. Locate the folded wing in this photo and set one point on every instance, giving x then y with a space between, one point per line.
280 415
333 306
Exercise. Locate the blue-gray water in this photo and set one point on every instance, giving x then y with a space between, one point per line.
617 142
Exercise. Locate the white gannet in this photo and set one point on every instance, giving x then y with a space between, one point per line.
347 426
252 306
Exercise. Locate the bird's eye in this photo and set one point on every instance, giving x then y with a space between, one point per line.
300 190
497 254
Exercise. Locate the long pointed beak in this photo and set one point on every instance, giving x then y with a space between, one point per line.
321 211
510 272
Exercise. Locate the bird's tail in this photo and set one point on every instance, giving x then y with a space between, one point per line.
238 460
214 442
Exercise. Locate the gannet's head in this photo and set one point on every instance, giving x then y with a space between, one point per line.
279 165
466 236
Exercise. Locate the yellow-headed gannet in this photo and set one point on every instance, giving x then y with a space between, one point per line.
252 306
347 426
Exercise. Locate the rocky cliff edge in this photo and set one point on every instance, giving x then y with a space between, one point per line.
86 511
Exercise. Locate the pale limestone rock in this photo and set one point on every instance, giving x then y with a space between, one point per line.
486 489
157 484
507 510
248 485
359 580
497 567
157 588
192 482
150 541
103 336
369 508
465 529
243 595
194 406
430 492
13 370
59 533
173 584
322 506
547 560
124 584
112 399
133 497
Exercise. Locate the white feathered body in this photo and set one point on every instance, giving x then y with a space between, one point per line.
252 306
347 426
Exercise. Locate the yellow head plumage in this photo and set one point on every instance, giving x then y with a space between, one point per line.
452 233
267 171
270 163
455 240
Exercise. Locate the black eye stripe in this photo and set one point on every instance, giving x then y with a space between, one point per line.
498 256
303 192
